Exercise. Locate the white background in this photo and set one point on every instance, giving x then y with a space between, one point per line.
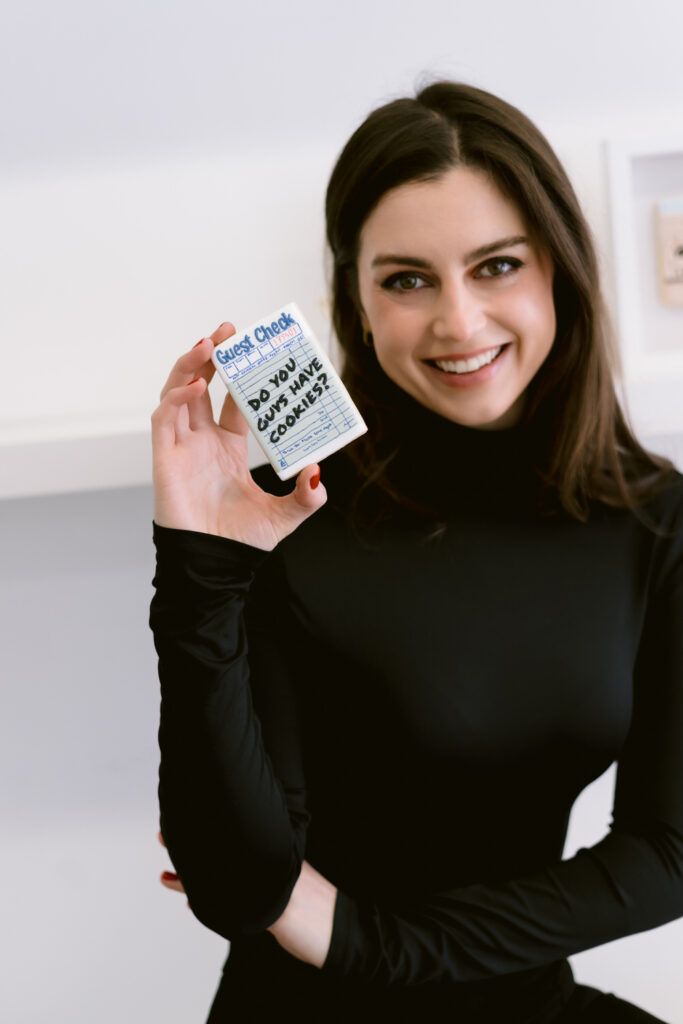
162 169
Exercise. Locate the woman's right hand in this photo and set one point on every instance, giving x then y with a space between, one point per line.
201 474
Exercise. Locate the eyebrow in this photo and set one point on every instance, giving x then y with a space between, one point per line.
470 257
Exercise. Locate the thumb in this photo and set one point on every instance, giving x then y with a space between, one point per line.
307 497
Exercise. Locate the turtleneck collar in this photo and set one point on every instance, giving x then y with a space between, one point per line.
452 467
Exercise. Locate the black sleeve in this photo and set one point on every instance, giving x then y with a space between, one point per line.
234 822
629 882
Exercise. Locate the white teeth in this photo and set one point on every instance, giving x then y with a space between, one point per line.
468 365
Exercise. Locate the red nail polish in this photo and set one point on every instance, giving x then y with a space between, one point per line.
315 480
192 381
170 876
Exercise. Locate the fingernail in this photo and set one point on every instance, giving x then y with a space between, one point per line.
192 381
198 343
170 876
315 480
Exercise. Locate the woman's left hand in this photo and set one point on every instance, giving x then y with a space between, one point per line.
304 929
169 878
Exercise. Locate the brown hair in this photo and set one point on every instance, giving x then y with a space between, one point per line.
593 454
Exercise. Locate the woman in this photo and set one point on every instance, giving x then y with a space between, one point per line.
381 694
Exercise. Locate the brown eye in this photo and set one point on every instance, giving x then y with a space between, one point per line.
501 266
404 282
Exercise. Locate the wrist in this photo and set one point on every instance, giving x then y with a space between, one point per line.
305 927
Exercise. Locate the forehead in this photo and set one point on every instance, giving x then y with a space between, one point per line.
461 211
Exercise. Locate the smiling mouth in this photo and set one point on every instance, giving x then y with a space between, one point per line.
463 366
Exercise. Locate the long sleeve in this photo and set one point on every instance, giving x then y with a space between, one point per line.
234 823
416 716
629 882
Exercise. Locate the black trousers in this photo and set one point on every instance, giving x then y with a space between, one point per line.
586 1006
589 1006
260 982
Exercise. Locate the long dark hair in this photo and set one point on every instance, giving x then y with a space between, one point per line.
593 454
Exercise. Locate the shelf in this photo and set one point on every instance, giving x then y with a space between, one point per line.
59 457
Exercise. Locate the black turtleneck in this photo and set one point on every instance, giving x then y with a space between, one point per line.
415 715
445 467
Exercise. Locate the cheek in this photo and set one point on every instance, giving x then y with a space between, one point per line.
398 333
392 332
538 323
548 326
390 351
395 353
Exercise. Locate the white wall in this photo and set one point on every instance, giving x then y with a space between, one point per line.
88 933
162 169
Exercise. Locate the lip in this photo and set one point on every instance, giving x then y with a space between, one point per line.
470 380
467 355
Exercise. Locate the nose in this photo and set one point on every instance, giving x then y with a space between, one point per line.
458 314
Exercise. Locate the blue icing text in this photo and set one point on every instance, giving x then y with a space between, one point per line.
264 332
224 355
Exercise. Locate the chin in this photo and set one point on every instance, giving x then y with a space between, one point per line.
482 419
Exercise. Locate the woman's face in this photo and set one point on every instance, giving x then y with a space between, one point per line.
457 296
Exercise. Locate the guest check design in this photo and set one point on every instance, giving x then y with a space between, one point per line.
288 391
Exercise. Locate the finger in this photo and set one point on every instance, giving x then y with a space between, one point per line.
307 497
161 838
197 361
231 417
201 411
170 880
169 422
309 493
222 333
196 411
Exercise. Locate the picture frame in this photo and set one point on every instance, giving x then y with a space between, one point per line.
644 176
